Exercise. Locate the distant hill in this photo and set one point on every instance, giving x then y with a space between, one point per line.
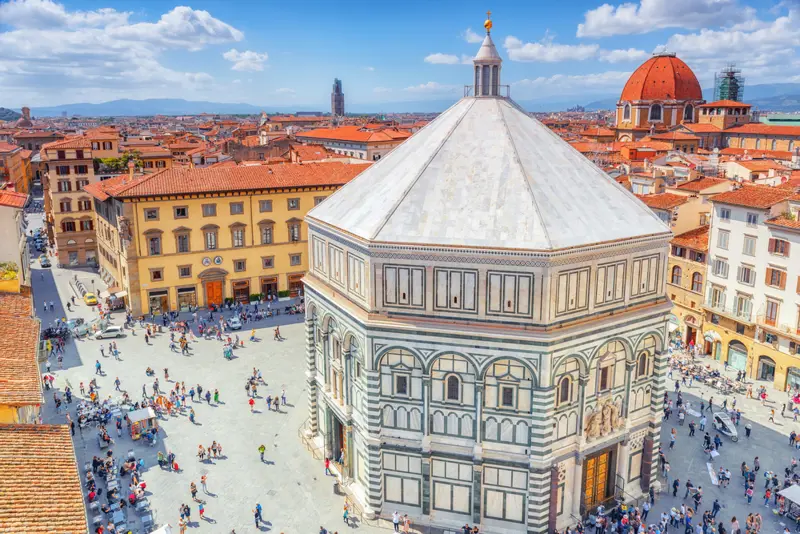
151 106
8 115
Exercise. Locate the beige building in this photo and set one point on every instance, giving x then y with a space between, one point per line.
69 212
680 212
686 273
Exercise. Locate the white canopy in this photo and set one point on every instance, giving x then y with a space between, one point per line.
141 415
792 493
166 529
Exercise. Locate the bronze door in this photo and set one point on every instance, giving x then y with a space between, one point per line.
596 474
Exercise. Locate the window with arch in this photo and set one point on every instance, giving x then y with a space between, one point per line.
508 386
791 146
758 144
697 283
729 142
401 374
676 275
741 142
611 353
647 351
655 112
688 113
626 112
641 365
773 145
453 388
452 379
564 390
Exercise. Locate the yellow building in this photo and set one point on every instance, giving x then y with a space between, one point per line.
15 167
20 385
686 273
185 237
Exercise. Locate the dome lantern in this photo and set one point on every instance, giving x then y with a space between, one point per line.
487 64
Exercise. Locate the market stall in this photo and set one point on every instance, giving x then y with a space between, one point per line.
143 422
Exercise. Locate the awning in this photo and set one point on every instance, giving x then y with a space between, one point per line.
672 327
103 295
792 493
711 336
120 294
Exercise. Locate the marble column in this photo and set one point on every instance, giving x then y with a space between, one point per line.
311 380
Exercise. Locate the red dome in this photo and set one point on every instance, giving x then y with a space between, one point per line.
662 77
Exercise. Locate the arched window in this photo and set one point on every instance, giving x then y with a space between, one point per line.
626 112
688 113
641 366
676 275
773 145
453 388
730 142
791 146
741 142
564 390
697 283
655 112
758 144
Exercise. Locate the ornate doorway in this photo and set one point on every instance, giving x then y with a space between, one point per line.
597 472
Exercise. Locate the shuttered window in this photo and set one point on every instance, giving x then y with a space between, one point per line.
776 278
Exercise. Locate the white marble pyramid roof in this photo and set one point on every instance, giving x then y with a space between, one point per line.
485 174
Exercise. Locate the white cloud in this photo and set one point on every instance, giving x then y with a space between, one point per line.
442 59
246 60
285 91
650 15
765 54
51 54
370 69
381 90
563 84
547 51
42 14
431 87
471 37
620 56
237 81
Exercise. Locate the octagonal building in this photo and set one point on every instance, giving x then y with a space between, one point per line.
486 316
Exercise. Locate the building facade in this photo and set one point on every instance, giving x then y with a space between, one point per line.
355 141
752 299
469 363
686 275
199 237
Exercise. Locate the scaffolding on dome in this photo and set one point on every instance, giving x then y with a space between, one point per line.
729 84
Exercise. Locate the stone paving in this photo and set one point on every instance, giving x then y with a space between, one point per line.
290 485
768 441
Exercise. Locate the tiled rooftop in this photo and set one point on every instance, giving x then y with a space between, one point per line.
703 183
762 197
696 239
15 305
20 383
785 222
663 201
222 179
13 199
40 486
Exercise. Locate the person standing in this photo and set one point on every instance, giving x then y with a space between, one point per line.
252 404
645 510
396 521
283 397
715 508
203 481
257 514
703 422
328 467
261 450
116 384
672 437
691 429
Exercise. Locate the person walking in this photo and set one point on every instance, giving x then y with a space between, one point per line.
345 512
327 466
116 384
396 521
645 510
715 508
257 514
772 415
261 450
252 404
756 464
203 481
283 397
691 428
98 368
102 351
703 422
216 396
747 429
672 437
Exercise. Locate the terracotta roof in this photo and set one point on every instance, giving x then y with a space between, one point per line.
785 222
26 154
696 239
353 133
760 165
725 104
662 77
15 305
183 145
19 368
754 196
40 485
764 129
38 135
297 119
674 135
221 179
701 128
77 141
598 132
311 152
7 147
702 183
151 151
13 199
766 154
663 201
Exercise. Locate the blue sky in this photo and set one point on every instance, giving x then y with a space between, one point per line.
287 53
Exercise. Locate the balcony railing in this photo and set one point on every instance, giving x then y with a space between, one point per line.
772 324
730 311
